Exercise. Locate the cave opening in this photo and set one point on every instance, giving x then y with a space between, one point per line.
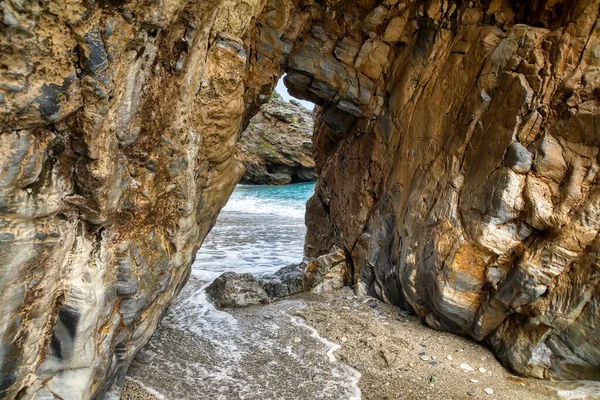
257 243
262 227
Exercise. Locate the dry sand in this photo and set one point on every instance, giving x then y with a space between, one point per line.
399 358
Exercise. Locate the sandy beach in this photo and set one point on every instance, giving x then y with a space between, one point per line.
399 358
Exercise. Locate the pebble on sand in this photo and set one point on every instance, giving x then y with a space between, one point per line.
466 367
489 391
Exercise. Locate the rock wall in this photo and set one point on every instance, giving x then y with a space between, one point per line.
458 158
118 130
276 147
456 147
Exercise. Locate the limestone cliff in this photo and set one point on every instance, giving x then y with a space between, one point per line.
276 147
118 130
456 149
466 188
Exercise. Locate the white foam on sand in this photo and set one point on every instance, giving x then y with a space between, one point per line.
587 390
353 374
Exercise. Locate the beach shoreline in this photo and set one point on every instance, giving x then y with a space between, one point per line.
400 358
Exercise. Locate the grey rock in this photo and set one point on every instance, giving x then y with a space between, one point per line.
518 158
236 290
9 20
285 282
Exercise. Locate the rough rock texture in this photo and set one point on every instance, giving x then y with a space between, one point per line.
327 272
236 290
457 150
118 130
456 146
286 281
276 147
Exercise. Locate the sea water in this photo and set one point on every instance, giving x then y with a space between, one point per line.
259 230
259 352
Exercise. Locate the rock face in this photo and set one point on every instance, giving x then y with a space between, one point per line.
457 152
276 147
118 130
236 290
326 273
456 147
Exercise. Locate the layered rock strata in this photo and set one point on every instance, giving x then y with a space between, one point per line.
456 146
464 186
118 130
276 147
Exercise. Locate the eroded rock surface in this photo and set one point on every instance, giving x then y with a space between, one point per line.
236 290
464 184
276 147
118 130
327 272
456 146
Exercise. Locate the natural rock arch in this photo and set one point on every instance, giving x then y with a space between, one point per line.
456 148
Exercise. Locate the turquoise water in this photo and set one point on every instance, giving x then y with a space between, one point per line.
261 229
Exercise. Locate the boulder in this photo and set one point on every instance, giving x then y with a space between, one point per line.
285 282
326 273
236 290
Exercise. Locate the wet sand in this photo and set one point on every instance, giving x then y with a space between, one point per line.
398 357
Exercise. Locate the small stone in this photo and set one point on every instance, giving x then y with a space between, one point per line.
449 357
466 367
373 305
9 20
482 370
474 381
433 379
411 365
472 394
483 358
404 313
433 363
344 339
489 391
425 358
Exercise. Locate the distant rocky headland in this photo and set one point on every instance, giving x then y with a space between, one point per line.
277 147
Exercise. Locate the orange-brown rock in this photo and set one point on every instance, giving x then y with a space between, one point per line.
466 188
456 147
118 130
276 147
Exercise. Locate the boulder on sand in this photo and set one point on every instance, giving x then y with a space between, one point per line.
285 282
236 290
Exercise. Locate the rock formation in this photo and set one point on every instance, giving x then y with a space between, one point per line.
236 290
456 147
457 155
119 123
276 147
